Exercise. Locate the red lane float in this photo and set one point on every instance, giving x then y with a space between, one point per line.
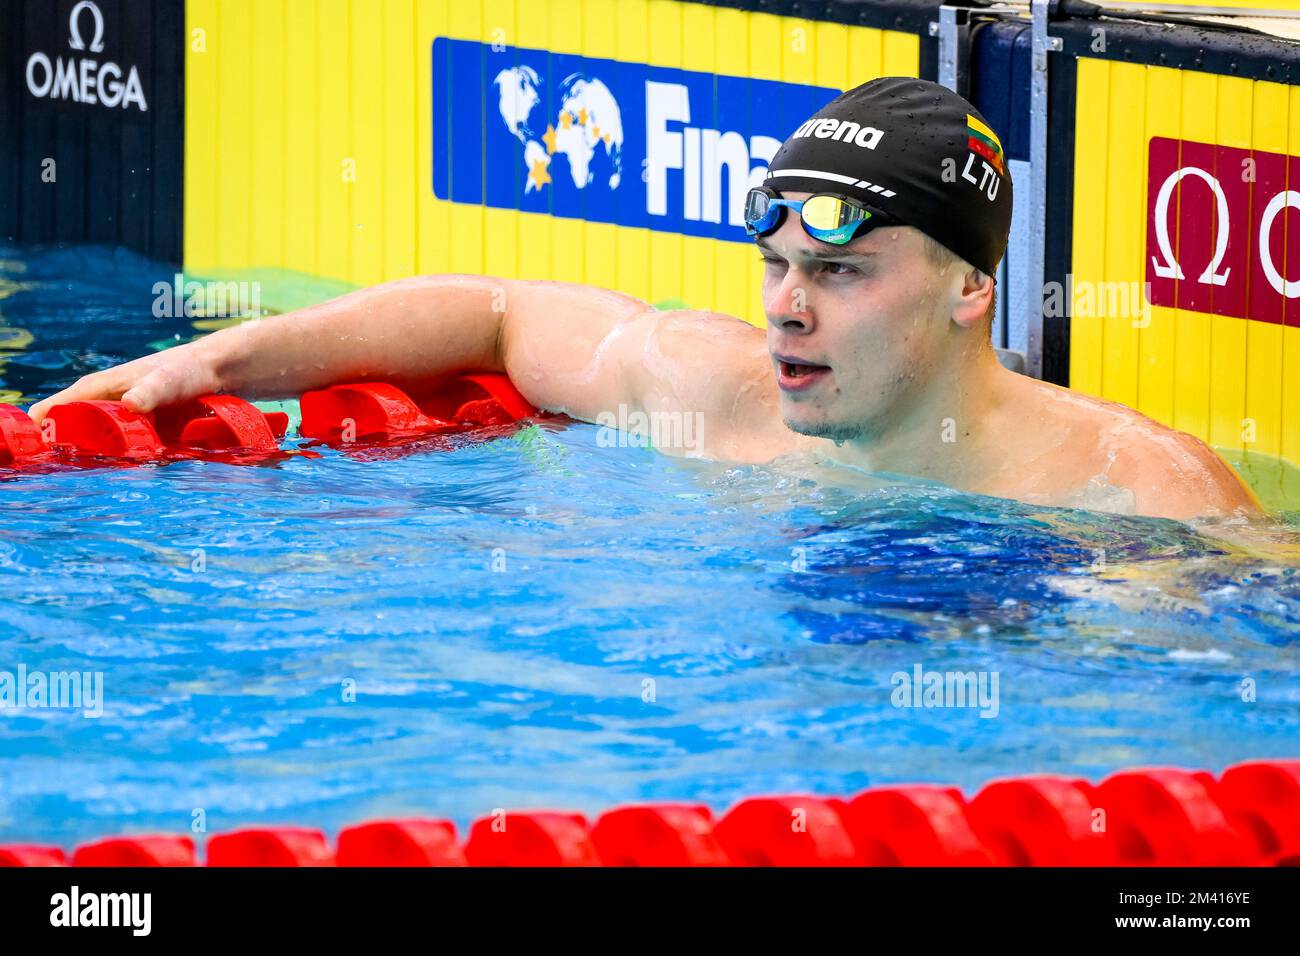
379 411
231 429
1041 821
666 834
103 429
137 851
278 846
1169 817
1263 800
400 843
915 826
28 855
536 838
787 831
20 438
479 398
346 413
219 423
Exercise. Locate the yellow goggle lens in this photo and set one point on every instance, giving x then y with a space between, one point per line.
829 213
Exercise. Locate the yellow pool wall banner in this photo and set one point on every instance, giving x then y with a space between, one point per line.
1185 191
310 131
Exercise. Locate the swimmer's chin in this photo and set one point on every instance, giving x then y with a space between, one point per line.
833 431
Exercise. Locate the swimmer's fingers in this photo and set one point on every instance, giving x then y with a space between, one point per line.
166 384
87 388
142 385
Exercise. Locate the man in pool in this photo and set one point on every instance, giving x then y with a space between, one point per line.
881 224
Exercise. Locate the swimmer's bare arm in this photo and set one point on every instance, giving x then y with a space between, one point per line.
567 347
396 330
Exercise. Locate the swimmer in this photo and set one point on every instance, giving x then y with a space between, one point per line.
880 224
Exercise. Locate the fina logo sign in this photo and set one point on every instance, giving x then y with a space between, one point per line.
611 141
84 80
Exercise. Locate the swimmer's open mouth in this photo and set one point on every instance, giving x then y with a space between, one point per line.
794 375
799 371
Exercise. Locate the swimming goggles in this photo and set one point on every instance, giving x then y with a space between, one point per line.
825 216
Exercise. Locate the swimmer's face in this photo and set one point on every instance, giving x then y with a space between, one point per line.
851 329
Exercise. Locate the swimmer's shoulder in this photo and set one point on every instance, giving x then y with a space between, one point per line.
1172 473
1179 476
717 366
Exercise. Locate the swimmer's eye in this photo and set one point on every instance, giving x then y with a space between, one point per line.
840 269
771 260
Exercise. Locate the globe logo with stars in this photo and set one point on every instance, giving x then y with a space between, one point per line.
587 129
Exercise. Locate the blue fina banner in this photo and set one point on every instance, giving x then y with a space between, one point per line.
606 141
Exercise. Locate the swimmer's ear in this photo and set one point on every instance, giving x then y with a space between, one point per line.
973 302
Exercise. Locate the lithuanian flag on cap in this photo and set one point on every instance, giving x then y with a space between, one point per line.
985 142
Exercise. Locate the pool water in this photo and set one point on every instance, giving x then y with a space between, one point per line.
544 622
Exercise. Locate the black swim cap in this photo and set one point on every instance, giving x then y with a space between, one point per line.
915 150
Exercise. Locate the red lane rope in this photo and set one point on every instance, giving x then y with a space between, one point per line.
1249 816
227 428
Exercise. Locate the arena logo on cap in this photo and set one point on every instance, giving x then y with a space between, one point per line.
605 140
841 131
85 80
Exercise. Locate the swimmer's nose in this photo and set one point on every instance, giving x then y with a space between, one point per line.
791 309
793 324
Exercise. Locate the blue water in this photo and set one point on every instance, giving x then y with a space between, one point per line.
542 622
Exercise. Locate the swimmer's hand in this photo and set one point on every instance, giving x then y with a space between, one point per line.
166 378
